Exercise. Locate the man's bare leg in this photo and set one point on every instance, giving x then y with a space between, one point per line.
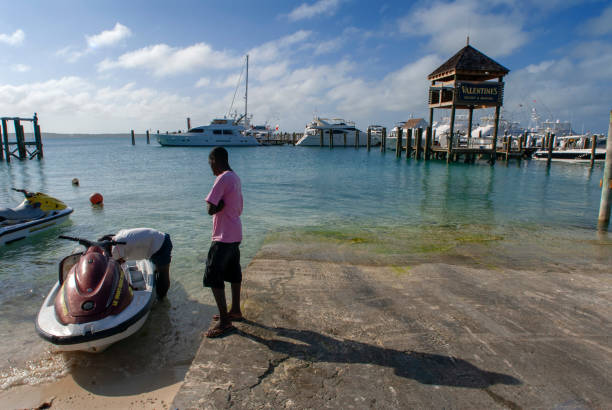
224 323
235 309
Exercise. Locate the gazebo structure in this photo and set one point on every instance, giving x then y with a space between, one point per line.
462 82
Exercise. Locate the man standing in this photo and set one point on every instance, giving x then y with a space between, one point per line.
224 202
146 243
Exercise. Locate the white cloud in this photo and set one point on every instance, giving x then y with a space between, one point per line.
202 82
328 46
306 11
71 54
600 25
21 68
108 37
448 25
273 50
163 60
14 39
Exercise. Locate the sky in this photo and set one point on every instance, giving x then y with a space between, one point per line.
112 66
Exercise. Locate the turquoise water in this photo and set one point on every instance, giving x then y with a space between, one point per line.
315 193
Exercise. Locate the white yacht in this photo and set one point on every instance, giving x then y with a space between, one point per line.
340 130
228 132
575 148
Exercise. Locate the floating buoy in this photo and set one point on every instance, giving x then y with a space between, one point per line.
75 181
96 198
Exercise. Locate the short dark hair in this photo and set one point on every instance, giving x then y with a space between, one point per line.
219 154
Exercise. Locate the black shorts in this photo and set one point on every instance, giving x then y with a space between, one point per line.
164 255
222 265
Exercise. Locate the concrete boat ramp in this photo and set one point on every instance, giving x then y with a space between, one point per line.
326 334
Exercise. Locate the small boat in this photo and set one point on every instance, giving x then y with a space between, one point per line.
575 148
36 213
96 301
341 130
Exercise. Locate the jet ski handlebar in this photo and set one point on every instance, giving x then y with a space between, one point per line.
24 192
105 244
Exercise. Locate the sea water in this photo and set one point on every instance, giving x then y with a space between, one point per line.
522 214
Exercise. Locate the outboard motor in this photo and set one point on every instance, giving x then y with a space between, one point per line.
95 287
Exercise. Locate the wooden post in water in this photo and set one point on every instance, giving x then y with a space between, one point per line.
133 139
495 130
356 138
369 141
551 139
38 138
449 149
409 143
594 144
508 139
383 145
7 150
606 184
428 142
293 139
419 147
398 143
331 138
1 145
148 138
321 137
21 149
469 135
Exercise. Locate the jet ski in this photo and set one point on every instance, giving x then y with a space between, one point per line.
36 213
96 301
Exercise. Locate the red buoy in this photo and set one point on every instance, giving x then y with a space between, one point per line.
96 198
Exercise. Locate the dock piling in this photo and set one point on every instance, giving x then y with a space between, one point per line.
356 138
321 137
550 139
383 144
148 139
428 140
408 143
398 143
37 137
593 145
133 139
606 186
331 138
369 141
419 137
7 150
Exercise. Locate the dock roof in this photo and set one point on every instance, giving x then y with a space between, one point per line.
469 61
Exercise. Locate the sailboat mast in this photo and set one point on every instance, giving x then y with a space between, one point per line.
246 92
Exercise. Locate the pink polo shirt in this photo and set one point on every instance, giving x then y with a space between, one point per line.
226 223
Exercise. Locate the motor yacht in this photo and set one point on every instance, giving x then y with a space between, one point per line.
340 129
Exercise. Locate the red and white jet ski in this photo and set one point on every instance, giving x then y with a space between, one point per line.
96 301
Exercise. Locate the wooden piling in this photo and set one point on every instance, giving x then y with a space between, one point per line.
409 143
508 144
133 139
356 138
331 138
419 138
344 135
37 137
383 145
21 149
593 149
321 137
148 139
7 150
1 145
449 149
551 139
495 131
398 143
293 139
369 141
606 185
428 142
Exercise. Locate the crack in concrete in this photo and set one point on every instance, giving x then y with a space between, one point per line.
272 365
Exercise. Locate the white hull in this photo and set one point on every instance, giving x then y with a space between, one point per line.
575 155
13 233
315 140
98 335
190 139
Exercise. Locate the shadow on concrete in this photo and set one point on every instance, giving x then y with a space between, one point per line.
426 368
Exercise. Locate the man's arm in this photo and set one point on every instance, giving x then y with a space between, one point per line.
213 209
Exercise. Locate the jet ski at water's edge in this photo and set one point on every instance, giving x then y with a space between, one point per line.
96 301
36 213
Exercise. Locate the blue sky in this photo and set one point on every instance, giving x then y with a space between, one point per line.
112 66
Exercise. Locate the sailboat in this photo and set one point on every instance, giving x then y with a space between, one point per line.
227 132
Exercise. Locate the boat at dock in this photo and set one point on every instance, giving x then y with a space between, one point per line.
574 148
228 132
341 130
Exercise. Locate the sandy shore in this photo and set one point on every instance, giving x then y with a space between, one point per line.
67 394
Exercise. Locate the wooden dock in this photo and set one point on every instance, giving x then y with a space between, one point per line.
20 148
